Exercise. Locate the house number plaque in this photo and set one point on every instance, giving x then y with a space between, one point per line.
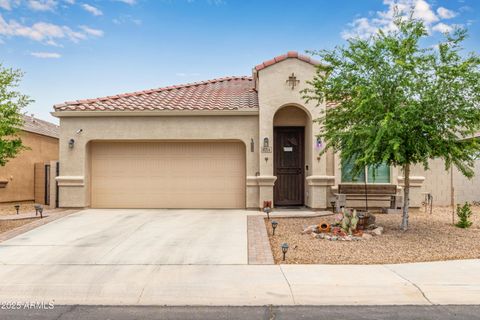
267 150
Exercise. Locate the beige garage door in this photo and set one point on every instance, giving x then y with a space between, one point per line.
168 175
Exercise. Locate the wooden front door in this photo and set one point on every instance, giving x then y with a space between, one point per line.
289 163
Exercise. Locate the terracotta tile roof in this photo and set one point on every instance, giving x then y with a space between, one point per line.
288 55
230 93
32 124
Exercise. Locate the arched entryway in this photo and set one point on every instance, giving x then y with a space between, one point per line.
291 132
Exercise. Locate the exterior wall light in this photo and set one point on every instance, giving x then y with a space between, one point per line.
274 226
71 143
284 249
266 142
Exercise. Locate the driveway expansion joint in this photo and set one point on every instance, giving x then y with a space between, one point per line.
412 283
288 283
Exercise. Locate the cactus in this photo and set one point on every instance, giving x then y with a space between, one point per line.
349 221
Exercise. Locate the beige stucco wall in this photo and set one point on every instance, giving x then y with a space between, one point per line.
19 172
439 182
74 180
274 93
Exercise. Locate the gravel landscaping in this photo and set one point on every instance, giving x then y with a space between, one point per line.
8 209
7 225
431 237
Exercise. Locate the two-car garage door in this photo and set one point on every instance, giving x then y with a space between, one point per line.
167 175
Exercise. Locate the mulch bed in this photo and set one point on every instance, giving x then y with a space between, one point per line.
431 237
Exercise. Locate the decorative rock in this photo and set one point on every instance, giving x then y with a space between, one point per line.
371 219
378 231
367 236
310 229
320 236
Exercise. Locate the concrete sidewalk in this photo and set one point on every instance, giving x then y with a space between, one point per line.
452 282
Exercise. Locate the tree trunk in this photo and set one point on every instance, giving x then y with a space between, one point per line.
406 195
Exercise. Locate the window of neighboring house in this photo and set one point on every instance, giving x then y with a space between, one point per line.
381 174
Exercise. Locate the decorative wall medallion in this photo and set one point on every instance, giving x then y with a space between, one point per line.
292 81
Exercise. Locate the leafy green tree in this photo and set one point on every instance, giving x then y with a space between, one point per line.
399 103
11 104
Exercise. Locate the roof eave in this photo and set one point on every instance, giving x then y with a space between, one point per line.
155 113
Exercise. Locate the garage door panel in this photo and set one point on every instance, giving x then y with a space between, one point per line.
168 175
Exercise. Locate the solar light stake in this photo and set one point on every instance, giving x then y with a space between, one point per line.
267 210
284 249
274 225
17 207
37 208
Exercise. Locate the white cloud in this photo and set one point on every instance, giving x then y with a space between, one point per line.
130 2
361 27
70 1
127 19
91 9
5 4
216 2
45 32
365 27
423 11
42 5
46 55
92 32
444 13
442 27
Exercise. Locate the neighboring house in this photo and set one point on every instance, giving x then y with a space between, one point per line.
233 142
17 177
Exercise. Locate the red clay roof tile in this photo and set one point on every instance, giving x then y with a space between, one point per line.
290 54
230 93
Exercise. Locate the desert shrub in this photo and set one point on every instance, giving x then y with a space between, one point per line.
464 213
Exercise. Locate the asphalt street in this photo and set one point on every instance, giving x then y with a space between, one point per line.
469 312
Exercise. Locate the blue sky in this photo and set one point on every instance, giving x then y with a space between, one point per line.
72 49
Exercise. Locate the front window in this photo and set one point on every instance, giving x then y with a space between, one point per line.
380 174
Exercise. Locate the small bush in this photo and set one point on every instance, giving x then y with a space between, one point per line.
464 213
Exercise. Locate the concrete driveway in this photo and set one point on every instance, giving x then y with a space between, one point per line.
134 237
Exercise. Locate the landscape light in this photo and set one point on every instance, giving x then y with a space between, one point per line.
284 249
37 208
274 225
267 210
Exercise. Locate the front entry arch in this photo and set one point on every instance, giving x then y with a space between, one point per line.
291 127
289 164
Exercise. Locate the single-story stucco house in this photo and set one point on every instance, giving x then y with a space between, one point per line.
26 177
232 142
